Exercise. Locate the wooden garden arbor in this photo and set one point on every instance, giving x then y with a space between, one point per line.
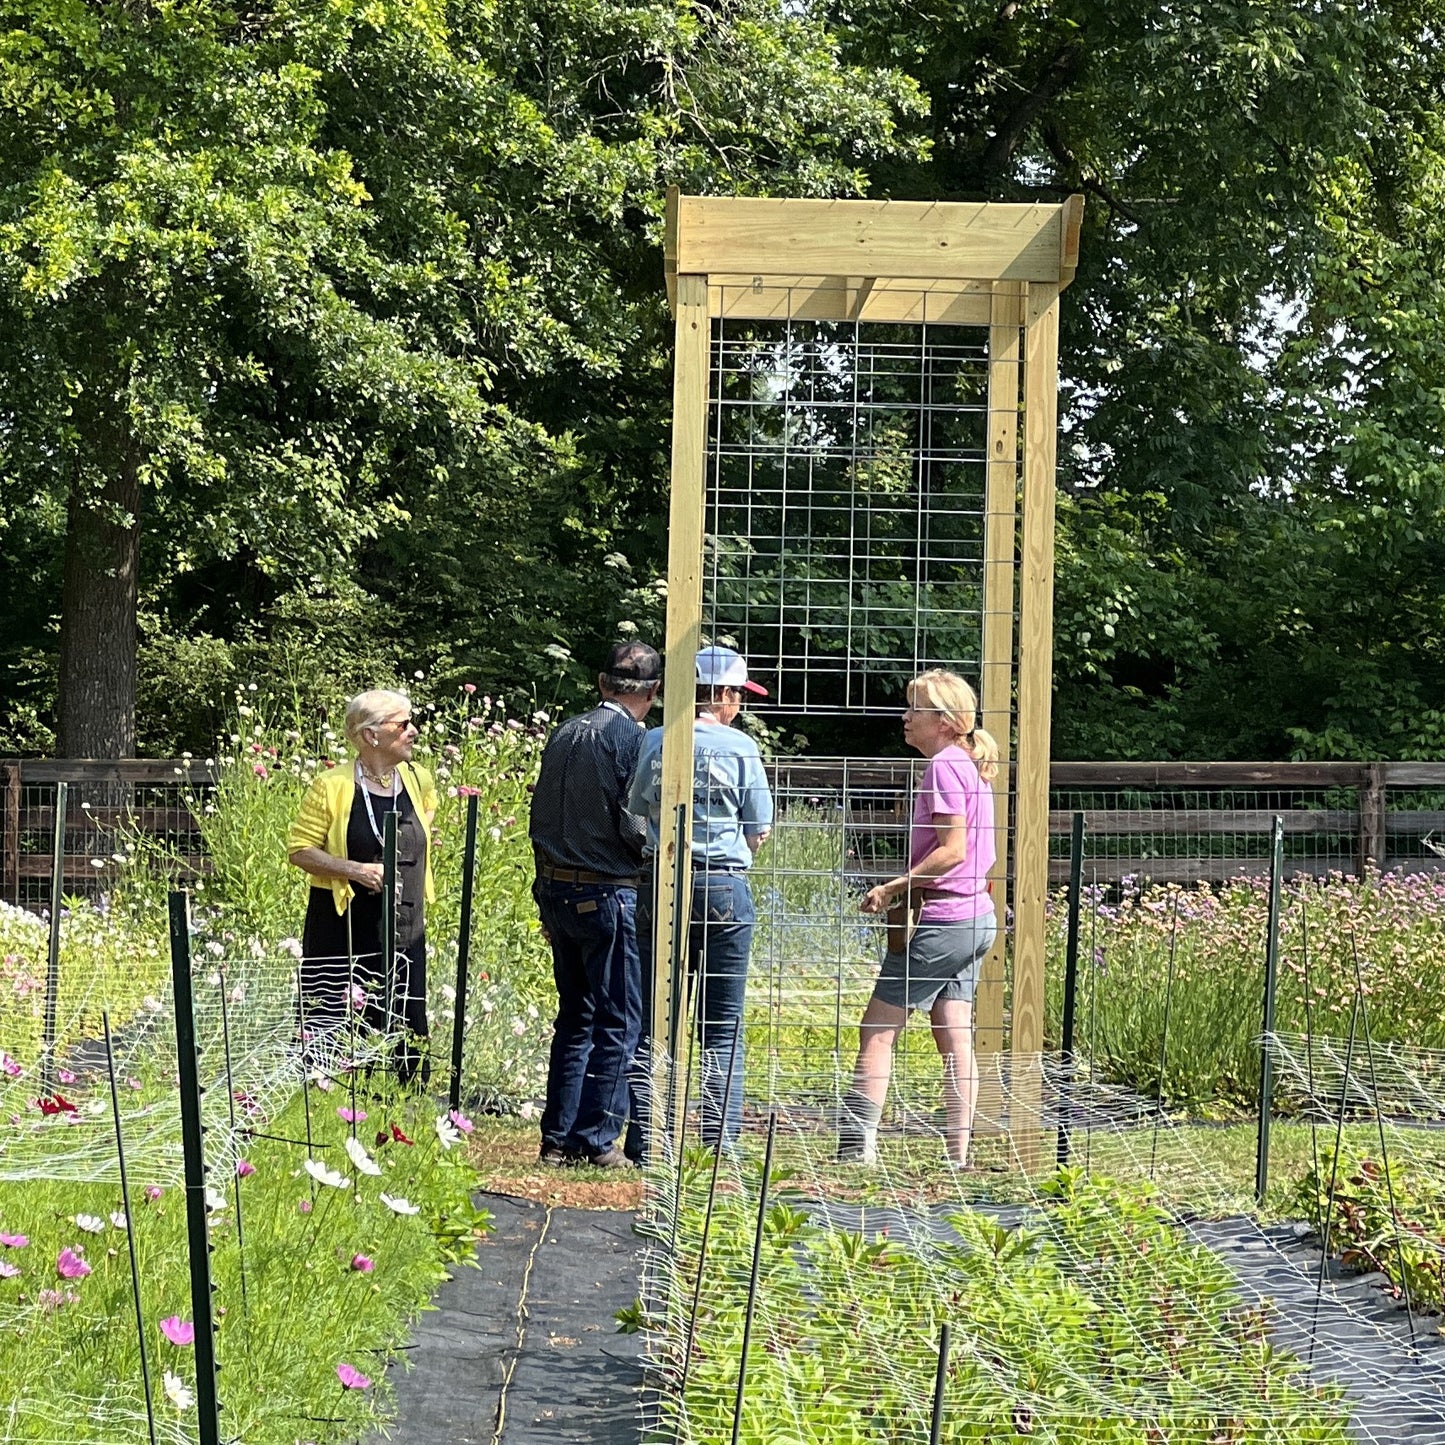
999 268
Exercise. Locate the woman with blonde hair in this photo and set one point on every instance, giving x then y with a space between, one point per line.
337 840
940 917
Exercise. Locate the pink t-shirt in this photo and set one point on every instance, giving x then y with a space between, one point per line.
952 787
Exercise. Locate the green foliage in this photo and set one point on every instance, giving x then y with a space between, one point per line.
1381 1218
1100 1321
364 307
1211 1062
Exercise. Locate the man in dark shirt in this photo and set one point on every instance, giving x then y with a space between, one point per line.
588 849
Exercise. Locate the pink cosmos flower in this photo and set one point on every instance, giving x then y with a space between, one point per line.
52 1299
358 997
362 1264
153 1192
69 1265
14 1241
9 1066
351 1116
134 1084
351 1378
461 1121
65 1076
8 1270
244 1169
178 1331
304 1206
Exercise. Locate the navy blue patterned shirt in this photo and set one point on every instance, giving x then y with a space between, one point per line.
579 814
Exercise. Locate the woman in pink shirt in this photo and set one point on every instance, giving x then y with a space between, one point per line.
945 893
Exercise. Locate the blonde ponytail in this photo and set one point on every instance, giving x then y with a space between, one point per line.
957 702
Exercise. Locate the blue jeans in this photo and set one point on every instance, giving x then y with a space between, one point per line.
593 927
719 939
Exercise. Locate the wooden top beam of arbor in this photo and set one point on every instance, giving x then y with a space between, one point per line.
841 246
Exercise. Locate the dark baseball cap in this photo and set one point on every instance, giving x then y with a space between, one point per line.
634 662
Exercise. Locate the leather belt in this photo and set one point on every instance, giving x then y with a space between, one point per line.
581 875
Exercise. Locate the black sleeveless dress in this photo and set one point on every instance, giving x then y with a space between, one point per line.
343 952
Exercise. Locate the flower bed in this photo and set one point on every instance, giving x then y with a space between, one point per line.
1395 923
1097 1320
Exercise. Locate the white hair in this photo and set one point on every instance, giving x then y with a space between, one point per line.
367 709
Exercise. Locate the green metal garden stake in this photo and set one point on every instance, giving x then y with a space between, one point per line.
464 952
1334 1174
753 1277
1164 1042
231 1116
140 1328
1266 1058
193 1149
1071 983
52 969
940 1380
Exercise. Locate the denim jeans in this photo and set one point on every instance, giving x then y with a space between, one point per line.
593 927
720 936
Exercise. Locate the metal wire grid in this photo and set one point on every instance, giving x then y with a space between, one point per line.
846 506
104 823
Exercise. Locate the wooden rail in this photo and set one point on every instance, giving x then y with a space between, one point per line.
1141 836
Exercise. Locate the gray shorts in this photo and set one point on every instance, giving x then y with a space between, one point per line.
942 961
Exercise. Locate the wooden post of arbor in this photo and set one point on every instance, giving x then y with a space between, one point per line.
996 267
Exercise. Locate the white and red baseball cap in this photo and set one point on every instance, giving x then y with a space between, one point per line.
722 667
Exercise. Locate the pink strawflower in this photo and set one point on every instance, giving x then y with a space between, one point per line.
134 1084
260 770
461 1121
14 1241
351 1378
361 1264
469 687
153 1192
244 1169
351 1116
69 1265
178 1331
52 1299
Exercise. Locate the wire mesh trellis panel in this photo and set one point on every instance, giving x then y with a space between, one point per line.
846 506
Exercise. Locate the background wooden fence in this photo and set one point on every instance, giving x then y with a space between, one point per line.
1167 821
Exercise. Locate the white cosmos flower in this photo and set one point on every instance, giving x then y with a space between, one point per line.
90 1223
177 1392
215 1200
118 1219
322 1175
447 1132
356 1152
400 1206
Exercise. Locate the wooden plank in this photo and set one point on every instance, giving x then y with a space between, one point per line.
176 818
669 246
837 298
1177 822
996 677
1413 822
78 867
684 637
1207 774
1073 223
960 240
1414 775
1372 818
1191 870
1035 692
13 796
116 770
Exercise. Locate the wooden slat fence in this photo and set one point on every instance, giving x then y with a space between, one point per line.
1187 822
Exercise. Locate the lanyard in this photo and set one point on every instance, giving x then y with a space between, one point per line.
366 793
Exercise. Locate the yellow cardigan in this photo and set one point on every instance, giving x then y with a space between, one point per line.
326 812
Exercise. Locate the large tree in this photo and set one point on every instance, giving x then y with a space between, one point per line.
336 330
1253 357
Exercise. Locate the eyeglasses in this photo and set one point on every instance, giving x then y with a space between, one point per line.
399 723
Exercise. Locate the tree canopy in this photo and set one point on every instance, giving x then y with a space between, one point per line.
338 348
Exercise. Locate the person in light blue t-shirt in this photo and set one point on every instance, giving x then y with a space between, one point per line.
732 814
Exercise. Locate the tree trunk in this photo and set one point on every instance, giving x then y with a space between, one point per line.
98 613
